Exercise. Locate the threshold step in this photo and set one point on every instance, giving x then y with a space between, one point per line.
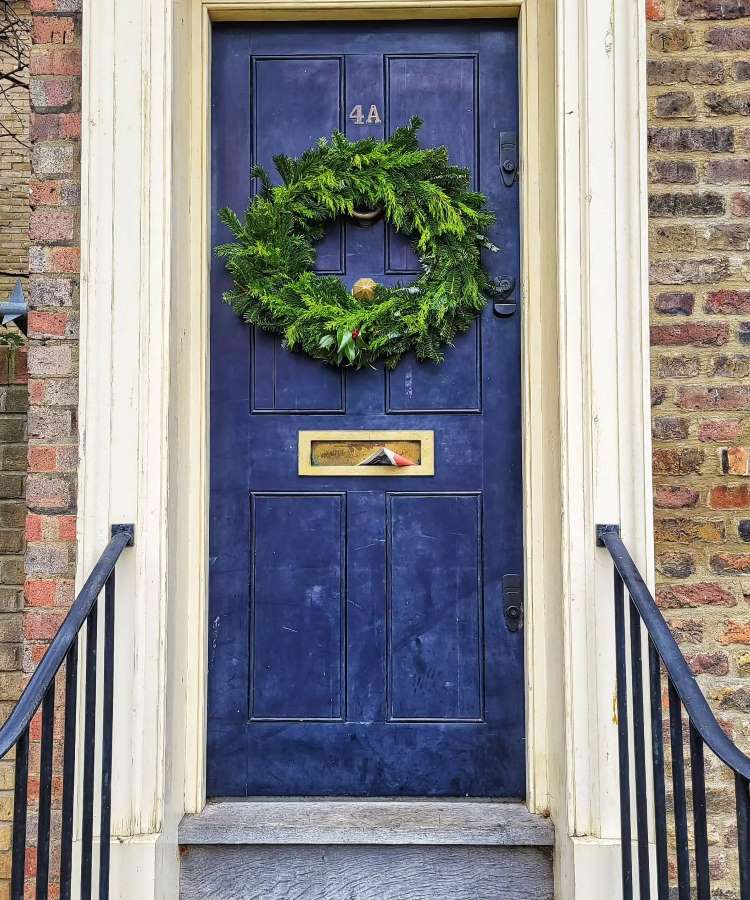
395 822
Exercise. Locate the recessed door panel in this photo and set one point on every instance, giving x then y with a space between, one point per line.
434 600
297 608
442 90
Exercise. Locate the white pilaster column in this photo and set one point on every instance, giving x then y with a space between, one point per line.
124 371
605 411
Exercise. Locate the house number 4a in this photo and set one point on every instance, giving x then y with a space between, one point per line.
357 115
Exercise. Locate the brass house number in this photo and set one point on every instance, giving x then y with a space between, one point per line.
357 115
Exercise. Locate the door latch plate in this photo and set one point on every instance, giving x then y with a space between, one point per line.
513 601
508 157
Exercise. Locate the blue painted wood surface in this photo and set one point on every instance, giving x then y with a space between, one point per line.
357 645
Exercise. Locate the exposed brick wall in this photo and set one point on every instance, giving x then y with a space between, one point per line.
699 205
14 162
53 319
13 403
54 196
14 224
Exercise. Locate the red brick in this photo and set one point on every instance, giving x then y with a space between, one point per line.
689 596
655 10
734 460
44 193
675 497
686 631
731 563
733 397
54 126
697 334
724 430
52 6
55 62
41 459
52 93
729 497
53 29
66 528
48 323
740 203
708 663
713 9
67 259
40 592
33 527
728 301
42 626
728 171
736 633
674 304
55 260
51 226
679 461
728 39
36 391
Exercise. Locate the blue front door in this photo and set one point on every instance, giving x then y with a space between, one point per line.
357 638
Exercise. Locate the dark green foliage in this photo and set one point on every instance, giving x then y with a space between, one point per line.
423 197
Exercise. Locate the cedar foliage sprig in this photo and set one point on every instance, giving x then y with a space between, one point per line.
423 197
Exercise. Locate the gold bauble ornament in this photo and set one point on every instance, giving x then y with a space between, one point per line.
364 289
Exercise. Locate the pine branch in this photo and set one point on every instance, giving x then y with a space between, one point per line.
423 197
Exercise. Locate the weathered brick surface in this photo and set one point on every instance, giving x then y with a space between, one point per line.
15 166
54 264
699 230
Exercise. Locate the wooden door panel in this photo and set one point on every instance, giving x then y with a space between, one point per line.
297 606
357 641
434 606
442 89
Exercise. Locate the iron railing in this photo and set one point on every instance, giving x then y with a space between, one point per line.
665 660
40 691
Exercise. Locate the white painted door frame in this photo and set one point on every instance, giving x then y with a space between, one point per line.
144 376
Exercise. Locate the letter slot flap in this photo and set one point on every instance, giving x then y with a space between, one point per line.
513 601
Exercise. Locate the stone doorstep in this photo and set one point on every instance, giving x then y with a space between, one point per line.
258 821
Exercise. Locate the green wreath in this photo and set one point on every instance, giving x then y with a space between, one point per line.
419 194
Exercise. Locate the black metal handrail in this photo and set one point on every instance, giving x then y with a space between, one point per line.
40 692
704 731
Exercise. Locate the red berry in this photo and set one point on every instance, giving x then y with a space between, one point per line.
355 333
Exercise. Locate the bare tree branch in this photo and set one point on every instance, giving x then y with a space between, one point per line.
15 37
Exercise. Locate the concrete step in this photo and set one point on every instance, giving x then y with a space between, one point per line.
366 850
